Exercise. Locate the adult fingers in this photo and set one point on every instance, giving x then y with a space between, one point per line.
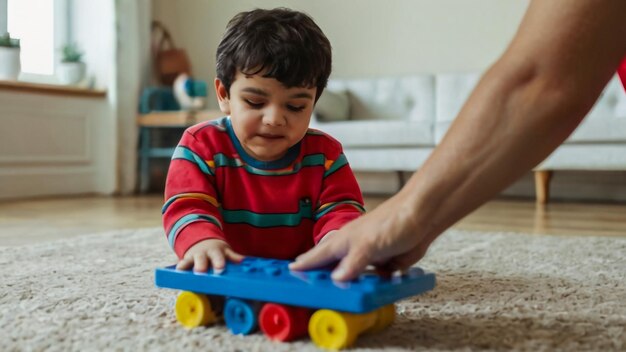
406 260
353 264
324 253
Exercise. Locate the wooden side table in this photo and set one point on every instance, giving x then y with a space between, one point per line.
163 120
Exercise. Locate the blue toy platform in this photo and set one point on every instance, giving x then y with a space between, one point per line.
270 280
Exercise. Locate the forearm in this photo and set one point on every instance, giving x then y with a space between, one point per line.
563 54
500 134
523 108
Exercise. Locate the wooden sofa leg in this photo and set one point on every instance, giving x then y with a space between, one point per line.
542 186
401 179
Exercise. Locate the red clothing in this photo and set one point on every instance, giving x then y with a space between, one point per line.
621 71
276 209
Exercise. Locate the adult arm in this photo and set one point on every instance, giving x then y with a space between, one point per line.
523 108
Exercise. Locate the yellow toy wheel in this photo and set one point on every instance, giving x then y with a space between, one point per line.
193 310
384 317
332 330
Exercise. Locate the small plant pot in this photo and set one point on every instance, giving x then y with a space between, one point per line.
9 63
70 72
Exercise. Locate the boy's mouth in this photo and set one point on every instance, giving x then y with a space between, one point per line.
270 136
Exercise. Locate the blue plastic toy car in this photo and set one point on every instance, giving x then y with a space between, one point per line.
287 304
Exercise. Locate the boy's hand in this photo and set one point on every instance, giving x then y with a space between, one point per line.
208 253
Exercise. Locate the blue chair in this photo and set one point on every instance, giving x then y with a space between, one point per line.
157 99
153 99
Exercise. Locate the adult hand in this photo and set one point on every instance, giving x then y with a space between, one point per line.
389 237
526 104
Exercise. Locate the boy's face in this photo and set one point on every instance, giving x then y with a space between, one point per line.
267 117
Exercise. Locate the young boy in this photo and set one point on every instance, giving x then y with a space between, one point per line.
259 182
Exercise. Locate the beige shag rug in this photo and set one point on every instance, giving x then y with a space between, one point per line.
495 291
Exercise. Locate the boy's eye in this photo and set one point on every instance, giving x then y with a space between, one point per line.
295 108
254 104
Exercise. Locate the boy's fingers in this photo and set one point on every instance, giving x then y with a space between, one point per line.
201 263
233 256
185 264
217 260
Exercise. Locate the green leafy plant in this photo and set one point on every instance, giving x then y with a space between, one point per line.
71 53
8 42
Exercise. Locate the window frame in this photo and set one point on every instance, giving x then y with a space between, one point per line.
62 35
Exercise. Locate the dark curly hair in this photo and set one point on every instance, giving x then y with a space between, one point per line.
284 44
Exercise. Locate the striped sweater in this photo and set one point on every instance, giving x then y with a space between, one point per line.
276 209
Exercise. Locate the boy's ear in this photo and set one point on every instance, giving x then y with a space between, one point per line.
222 96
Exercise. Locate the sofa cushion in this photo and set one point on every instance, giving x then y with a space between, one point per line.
606 122
451 91
389 98
379 133
386 159
333 105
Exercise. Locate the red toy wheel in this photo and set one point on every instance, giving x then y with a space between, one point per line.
284 323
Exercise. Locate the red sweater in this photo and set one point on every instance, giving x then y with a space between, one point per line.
276 209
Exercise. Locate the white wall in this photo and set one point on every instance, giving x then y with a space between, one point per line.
57 144
392 37
369 37
54 145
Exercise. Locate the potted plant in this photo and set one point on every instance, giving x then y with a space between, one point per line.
9 57
71 69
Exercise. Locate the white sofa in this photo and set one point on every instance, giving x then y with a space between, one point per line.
393 123
384 124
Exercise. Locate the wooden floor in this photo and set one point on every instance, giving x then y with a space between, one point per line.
32 221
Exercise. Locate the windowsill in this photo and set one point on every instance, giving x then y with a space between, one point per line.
51 89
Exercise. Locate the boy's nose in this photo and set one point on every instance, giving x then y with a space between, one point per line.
274 117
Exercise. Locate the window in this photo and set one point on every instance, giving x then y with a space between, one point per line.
42 27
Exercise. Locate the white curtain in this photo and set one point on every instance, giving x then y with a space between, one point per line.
133 72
